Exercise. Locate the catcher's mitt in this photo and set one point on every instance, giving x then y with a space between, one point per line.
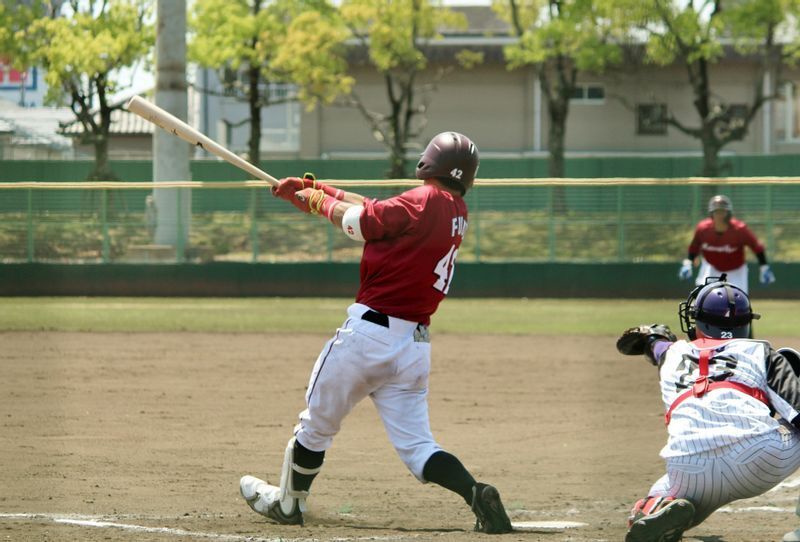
635 341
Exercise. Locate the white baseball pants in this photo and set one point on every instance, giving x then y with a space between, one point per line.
742 470
366 359
737 277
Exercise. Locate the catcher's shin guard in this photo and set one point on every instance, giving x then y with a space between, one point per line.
659 519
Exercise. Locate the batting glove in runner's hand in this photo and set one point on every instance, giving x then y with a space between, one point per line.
765 275
685 272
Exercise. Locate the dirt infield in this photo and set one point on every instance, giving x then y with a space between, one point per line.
144 437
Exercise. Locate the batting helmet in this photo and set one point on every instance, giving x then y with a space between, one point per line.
720 202
718 309
452 158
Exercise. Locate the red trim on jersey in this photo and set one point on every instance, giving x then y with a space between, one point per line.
703 385
725 251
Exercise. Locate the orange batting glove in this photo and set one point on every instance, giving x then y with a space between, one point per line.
315 202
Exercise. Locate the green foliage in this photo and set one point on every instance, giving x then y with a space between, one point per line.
15 17
694 30
88 48
586 32
395 30
289 41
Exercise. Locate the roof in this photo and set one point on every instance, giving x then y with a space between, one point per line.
34 125
122 123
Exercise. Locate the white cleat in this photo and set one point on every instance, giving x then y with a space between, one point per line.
265 499
793 536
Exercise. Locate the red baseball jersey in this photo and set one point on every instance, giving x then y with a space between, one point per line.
725 251
410 251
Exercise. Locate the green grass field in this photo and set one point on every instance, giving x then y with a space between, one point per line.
322 315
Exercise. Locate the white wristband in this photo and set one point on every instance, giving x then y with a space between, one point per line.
351 222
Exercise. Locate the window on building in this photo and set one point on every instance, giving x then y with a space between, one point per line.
589 93
651 119
787 114
280 123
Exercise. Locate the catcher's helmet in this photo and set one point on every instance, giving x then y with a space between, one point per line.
718 309
452 158
720 202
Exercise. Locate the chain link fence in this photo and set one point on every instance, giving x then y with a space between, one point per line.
543 220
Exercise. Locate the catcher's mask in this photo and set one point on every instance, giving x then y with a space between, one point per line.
721 202
452 158
718 309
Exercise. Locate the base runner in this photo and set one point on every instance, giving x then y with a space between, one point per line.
721 240
731 412
382 350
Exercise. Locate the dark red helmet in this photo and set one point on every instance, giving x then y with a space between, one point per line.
452 158
720 202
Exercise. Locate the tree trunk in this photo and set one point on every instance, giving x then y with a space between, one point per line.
397 159
254 100
711 148
557 107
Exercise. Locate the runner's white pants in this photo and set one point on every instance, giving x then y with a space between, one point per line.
745 469
388 365
737 277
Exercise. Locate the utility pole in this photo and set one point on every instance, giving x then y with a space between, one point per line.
171 154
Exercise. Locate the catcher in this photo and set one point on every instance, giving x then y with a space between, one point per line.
732 411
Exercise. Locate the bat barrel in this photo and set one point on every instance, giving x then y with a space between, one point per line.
166 121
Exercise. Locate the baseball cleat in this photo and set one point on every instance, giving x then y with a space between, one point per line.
490 514
265 499
664 522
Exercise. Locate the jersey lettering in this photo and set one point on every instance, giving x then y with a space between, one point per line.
459 226
444 270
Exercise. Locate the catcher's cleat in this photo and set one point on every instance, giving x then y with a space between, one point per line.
265 499
659 519
489 511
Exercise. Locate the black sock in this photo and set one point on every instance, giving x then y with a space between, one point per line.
446 470
303 457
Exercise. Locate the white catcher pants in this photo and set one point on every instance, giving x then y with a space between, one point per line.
388 365
737 277
742 470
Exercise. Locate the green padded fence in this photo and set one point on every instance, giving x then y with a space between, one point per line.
552 221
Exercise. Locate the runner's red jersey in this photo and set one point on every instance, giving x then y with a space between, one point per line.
725 251
410 251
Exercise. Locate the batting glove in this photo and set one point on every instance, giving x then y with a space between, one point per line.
765 275
287 187
315 202
685 272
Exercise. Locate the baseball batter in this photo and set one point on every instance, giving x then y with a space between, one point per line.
721 240
732 412
382 350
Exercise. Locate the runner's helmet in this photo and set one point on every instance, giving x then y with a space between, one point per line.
718 309
721 202
452 158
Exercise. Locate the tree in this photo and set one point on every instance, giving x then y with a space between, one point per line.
285 41
694 34
395 36
16 17
83 53
559 39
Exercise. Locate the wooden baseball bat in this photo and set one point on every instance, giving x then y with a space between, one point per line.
175 126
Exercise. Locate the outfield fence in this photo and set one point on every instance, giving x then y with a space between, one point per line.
510 220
